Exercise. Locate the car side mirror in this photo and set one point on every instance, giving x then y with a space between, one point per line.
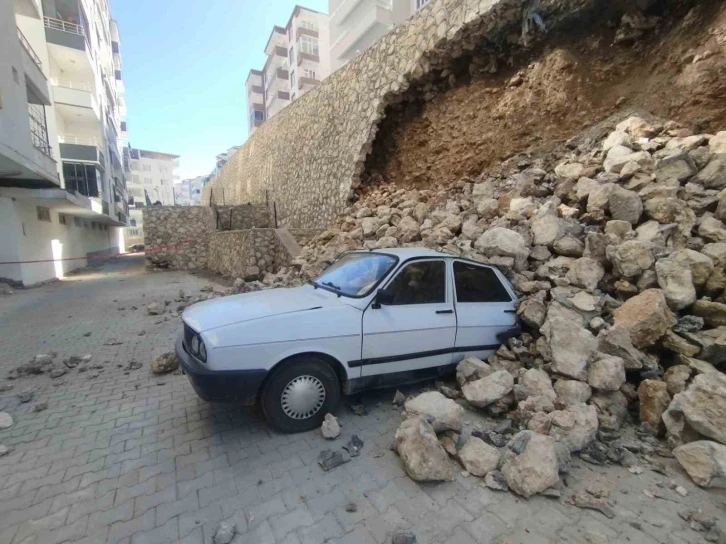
383 297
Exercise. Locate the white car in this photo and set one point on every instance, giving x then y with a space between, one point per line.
372 319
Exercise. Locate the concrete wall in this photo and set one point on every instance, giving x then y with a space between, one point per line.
62 247
311 155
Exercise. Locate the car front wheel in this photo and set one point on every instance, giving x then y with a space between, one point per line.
298 395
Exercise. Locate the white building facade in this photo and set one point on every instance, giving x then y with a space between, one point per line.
62 115
153 175
356 24
297 60
189 191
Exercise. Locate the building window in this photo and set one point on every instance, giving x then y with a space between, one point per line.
63 219
77 222
43 213
308 45
257 115
81 178
105 228
134 178
309 73
292 56
421 3
147 167
292 79
308 25
93 225
133 222
147 181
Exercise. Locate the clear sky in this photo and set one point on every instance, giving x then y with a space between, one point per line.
184 68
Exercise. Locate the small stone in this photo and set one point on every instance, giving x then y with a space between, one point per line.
399 399
403 537
4 450
6 421
165 363
359 409
155 309
654 399
330 427
354 446
329 459
225 533
26 395
57 373
351 507
40 407
495 480
478 457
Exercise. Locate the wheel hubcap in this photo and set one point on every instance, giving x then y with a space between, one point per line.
303 397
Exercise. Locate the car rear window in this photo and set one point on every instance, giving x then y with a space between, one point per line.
478 284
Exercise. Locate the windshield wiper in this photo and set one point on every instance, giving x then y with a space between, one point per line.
331 285
314 283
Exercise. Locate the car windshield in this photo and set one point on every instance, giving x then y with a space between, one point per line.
356 274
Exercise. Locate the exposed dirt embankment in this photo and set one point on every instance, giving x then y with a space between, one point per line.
669 60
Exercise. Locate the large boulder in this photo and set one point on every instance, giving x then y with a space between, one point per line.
407 229
470 369
676 378
424 458
571 346
625 205
546 226
499 241
612 409
164 363
632 258
530 463
575 426
616 341
713 176
606 373
699 410
478 457
654 400
676 281
668 210
704 461
713 313
447 415
488 390
586 273
701 265
537 382
571 392
647 316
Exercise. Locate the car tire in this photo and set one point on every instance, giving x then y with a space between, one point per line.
297 396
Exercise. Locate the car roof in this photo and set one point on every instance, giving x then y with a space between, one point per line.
405 253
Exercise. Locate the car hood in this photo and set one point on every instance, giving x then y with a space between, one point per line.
223 311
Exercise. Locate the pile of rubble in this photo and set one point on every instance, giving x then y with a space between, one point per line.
617 247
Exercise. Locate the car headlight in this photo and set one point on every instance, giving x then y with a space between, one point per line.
202 351
195 344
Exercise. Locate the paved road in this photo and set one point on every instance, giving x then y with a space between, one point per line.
123 456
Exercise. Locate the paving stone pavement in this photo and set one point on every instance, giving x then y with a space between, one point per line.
132 458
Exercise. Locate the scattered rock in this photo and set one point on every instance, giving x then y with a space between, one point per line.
486 391
330 427
26 395
704 461
447 415
6 421
40 407
647 316
403 537
399 399
329 459
225 533
606 373
530 464
423 457
495 480
155 309
478 457
354 446
164 363
700 410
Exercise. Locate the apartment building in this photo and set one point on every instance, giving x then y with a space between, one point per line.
297 60
151 183
188 192
62 182
356 24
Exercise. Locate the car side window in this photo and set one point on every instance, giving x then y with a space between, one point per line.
420 283
478 284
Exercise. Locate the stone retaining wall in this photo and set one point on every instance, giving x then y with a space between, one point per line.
243 217
186 228
247 254
309 157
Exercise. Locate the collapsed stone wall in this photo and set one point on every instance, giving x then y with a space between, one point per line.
247 254
308 158
177 237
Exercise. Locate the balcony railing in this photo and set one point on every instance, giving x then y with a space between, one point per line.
65 26
33 55
70 84
78 140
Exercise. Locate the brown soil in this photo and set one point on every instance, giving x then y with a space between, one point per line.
573 80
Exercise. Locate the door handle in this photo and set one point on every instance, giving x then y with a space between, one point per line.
444 311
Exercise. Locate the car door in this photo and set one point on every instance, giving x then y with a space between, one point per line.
485 307
418 329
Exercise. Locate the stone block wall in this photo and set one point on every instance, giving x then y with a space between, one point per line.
185 228
246 216
309 157
244 253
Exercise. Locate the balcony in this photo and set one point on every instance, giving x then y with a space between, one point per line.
307 83
79 94
65 33
365 21
33 70
69 46
73 148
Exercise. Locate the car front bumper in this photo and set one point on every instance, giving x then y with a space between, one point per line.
220 385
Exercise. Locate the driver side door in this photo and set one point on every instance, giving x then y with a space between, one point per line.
418 329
